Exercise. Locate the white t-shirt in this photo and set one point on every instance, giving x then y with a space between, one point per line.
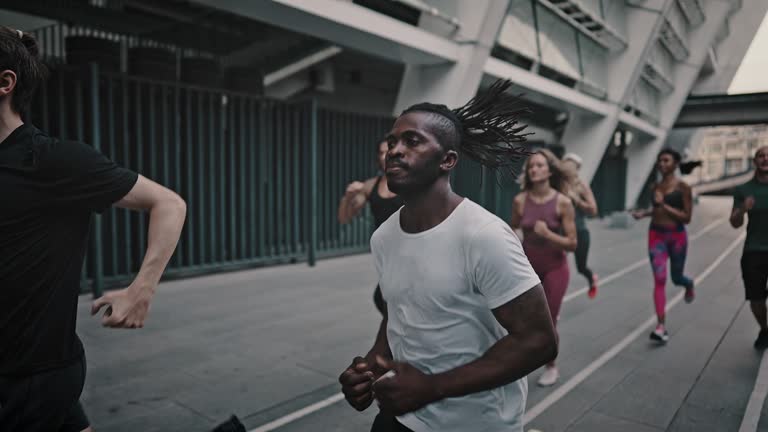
440 286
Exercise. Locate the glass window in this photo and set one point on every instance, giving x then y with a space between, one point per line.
518 33
559 49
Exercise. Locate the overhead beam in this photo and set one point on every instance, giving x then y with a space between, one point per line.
721 110
638 125
348 25
300 65
556 93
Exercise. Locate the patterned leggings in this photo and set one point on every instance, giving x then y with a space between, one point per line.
667 242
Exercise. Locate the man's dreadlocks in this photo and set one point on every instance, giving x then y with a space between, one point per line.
486 129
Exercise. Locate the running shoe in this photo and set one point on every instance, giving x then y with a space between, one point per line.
592 293
761 342
660 335
690 294
549 377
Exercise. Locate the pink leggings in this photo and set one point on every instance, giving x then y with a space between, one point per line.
555 283
667 243
554 274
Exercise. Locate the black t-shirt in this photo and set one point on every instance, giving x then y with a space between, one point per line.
48 191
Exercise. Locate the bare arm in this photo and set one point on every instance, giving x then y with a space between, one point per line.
380 348
737 217
567 241
529 344
354 199
683 215
167 211
643 213
517 211
585 199
741 205
357 380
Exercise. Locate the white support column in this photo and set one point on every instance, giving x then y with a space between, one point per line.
641 156
591 137
701 38
453 84
729 52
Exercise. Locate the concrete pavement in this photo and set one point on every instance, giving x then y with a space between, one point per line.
265 343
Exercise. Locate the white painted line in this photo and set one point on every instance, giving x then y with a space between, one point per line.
577 379
756 400
282 421
634 266
339 397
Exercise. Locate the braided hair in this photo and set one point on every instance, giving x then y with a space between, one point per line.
486 129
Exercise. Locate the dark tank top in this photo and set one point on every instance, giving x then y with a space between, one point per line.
383 208
674 199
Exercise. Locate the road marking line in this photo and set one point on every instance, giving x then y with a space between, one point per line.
288 418
756 400
577 379
634 266
284 420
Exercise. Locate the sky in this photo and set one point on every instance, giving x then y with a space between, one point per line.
752 75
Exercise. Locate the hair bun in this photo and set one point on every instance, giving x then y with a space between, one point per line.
30 43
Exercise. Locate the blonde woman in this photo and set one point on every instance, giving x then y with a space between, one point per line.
543 211
585 206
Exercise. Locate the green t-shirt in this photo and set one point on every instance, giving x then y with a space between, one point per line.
757 226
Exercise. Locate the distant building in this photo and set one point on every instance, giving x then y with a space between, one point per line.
725 150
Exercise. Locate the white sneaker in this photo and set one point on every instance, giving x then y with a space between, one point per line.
660 335
549 377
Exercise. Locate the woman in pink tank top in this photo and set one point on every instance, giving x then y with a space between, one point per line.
546 216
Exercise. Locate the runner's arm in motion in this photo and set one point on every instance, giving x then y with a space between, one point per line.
684 215
517 212
354 199
529 344
380 348
128 308
584 199
741 206
565 242
357 380
646 212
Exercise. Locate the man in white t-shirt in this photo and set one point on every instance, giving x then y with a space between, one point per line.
466 318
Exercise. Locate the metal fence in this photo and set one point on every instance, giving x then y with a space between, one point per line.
261 178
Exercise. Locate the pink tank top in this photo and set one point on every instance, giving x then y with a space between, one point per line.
542 255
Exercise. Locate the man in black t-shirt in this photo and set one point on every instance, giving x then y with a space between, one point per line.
50 188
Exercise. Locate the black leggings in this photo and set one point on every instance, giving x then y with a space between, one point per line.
44 402
582 250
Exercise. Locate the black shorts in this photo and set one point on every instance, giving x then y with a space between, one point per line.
378 300
754 272
44 402
388 423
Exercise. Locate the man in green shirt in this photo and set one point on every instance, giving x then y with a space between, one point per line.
752 198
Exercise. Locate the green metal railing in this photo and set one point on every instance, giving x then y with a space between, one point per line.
261 178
